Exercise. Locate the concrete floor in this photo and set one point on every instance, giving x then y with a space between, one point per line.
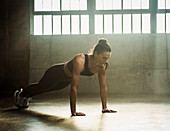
51 112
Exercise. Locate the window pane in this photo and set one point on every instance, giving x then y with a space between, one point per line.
47 5
98 24
136 4
127 23
84 24
37 24
126 4
57 24
65 4
167 4
107 4
168 23
75 24
66 24
160 23
117 24
136 23
145 4
108 24
145 23
37 5
116 4
99 4
83 4
47 25
74 4
56 5
161 4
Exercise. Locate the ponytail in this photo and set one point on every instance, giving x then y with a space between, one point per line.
102 46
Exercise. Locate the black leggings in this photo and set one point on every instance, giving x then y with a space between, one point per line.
53 79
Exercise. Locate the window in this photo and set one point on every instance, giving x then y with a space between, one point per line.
163 4
163 21
84 24
74 5
66 24
47 25
37 24
160 23
55 5
56 24
136 20
82 17
126 23
146 23
116 4
130 18
117 23
60 17
108 24
168 23
98 24
163 17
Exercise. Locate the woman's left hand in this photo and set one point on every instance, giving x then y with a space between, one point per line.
108 111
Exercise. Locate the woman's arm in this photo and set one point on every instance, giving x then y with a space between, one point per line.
77 68
103 90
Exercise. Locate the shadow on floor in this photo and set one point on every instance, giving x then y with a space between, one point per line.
40 116
33 117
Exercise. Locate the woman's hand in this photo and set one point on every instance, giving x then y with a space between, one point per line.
108 111
78 114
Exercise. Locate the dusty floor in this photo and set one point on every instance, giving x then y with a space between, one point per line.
51 112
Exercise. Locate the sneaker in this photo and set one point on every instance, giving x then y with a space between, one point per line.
21 102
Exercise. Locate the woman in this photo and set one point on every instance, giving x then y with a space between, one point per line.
61 75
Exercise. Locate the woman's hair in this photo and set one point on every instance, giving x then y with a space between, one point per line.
101 47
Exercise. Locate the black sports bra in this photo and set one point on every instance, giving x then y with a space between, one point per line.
86 71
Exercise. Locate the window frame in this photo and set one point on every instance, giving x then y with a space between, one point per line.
52 13
161 11
91 11
125 11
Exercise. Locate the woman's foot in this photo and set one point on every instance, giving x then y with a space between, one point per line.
108 111
21 102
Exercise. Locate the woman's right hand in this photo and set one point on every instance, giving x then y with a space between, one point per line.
78 114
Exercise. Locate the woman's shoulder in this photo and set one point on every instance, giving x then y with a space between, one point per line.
79 58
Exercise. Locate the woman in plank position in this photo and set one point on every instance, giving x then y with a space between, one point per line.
61 75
